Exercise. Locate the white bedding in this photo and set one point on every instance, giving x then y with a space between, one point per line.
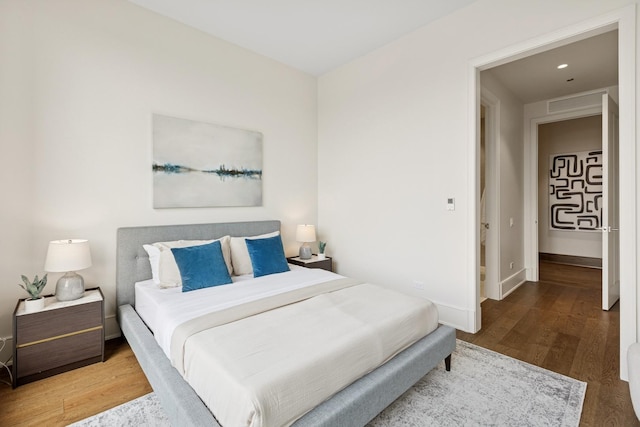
164 309
150 298
283 359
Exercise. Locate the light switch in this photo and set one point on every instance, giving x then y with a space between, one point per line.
451 204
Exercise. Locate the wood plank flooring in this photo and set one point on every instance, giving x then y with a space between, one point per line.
556 323
72 396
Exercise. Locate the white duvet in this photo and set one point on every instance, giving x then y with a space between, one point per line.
164 309
270 368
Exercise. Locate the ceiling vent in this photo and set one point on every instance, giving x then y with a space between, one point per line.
576 102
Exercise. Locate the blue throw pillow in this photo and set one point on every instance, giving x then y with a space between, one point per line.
201 266
267 256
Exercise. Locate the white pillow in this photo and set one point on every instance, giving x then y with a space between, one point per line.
168 273
154 261
240 254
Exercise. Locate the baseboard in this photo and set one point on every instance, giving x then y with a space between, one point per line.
111 327
456 317
512 283
580 261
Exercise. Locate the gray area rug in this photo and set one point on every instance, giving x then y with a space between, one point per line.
483 388
144 411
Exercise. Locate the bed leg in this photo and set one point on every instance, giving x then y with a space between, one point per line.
447 363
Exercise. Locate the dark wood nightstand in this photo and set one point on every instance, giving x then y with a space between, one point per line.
314 262
61 337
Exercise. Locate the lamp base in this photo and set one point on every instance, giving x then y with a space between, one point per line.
70 287
305 252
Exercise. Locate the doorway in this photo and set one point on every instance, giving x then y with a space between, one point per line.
624 20
577 198
565 234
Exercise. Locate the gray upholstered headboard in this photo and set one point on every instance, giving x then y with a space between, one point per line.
132 262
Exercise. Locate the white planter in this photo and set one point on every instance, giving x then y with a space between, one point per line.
32 305
322 256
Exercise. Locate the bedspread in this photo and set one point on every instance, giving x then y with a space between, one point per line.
269 369
239 311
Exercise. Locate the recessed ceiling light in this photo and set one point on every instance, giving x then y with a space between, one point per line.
561 66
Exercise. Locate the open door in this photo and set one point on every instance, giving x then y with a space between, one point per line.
610 198
489 166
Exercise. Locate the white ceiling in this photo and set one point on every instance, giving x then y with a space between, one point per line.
314 36
592 64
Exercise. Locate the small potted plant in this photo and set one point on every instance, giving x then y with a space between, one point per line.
35 302
321 247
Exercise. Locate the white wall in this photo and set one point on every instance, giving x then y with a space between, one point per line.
511 182
78 83
79 80
393 146
567 136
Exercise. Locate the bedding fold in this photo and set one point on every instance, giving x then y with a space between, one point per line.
230 314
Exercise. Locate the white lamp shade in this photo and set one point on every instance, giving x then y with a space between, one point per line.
306 233
67 255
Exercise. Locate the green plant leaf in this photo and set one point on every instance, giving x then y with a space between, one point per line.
35 287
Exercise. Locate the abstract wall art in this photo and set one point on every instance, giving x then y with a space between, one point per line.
198 164
575 191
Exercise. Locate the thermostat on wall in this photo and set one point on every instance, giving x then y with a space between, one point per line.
451 204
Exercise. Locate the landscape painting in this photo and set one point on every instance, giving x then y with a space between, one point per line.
198 164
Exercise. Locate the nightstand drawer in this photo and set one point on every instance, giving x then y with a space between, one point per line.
53 354
54 323
64 335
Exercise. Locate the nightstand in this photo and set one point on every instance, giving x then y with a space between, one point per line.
63 336
314 262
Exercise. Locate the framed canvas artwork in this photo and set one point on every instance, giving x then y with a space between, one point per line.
198 164
575 191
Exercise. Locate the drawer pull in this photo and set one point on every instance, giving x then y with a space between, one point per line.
95 328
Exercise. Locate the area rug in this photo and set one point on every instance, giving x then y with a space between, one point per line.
483 388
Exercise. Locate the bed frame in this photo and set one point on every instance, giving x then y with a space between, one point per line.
355 405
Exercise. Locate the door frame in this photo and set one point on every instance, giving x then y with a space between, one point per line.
624 20
531 248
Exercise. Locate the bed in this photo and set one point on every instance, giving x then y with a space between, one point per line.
354 405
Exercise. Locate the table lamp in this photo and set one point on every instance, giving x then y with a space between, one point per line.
305 234
68 256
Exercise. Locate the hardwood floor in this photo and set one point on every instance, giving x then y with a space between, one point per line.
75 395
556 323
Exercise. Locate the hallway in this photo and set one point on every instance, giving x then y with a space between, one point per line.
557 323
